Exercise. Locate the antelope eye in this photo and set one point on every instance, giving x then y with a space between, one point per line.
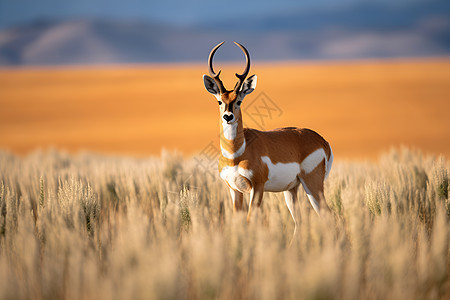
220 102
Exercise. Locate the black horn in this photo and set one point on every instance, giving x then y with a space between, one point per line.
211 70
242 76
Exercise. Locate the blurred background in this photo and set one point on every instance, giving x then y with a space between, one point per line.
52 32
124 77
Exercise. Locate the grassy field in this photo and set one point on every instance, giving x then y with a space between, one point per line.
362 108
149 224
96 227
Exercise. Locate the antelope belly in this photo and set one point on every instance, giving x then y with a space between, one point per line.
282 176
237 178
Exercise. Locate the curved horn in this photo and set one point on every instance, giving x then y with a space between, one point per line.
242 76
211 70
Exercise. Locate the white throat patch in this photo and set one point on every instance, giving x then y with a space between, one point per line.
230 130
236 154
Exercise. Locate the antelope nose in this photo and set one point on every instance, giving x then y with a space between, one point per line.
228 118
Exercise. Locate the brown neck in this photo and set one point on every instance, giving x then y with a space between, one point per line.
232 136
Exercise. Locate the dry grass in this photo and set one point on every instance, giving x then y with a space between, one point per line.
97 227
361 108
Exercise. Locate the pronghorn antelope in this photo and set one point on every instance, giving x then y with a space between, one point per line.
254 161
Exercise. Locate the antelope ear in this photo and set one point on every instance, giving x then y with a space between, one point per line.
211 85
249 85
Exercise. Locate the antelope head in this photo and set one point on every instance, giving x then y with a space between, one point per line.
229 100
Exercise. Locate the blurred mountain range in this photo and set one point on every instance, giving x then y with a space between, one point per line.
354 32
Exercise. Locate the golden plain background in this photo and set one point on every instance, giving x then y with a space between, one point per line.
362 108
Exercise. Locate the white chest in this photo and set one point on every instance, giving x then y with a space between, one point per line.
237 178
282 176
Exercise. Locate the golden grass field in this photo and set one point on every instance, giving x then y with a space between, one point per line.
152 224
362 108
97 227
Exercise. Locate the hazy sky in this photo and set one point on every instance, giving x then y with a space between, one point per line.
13 12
